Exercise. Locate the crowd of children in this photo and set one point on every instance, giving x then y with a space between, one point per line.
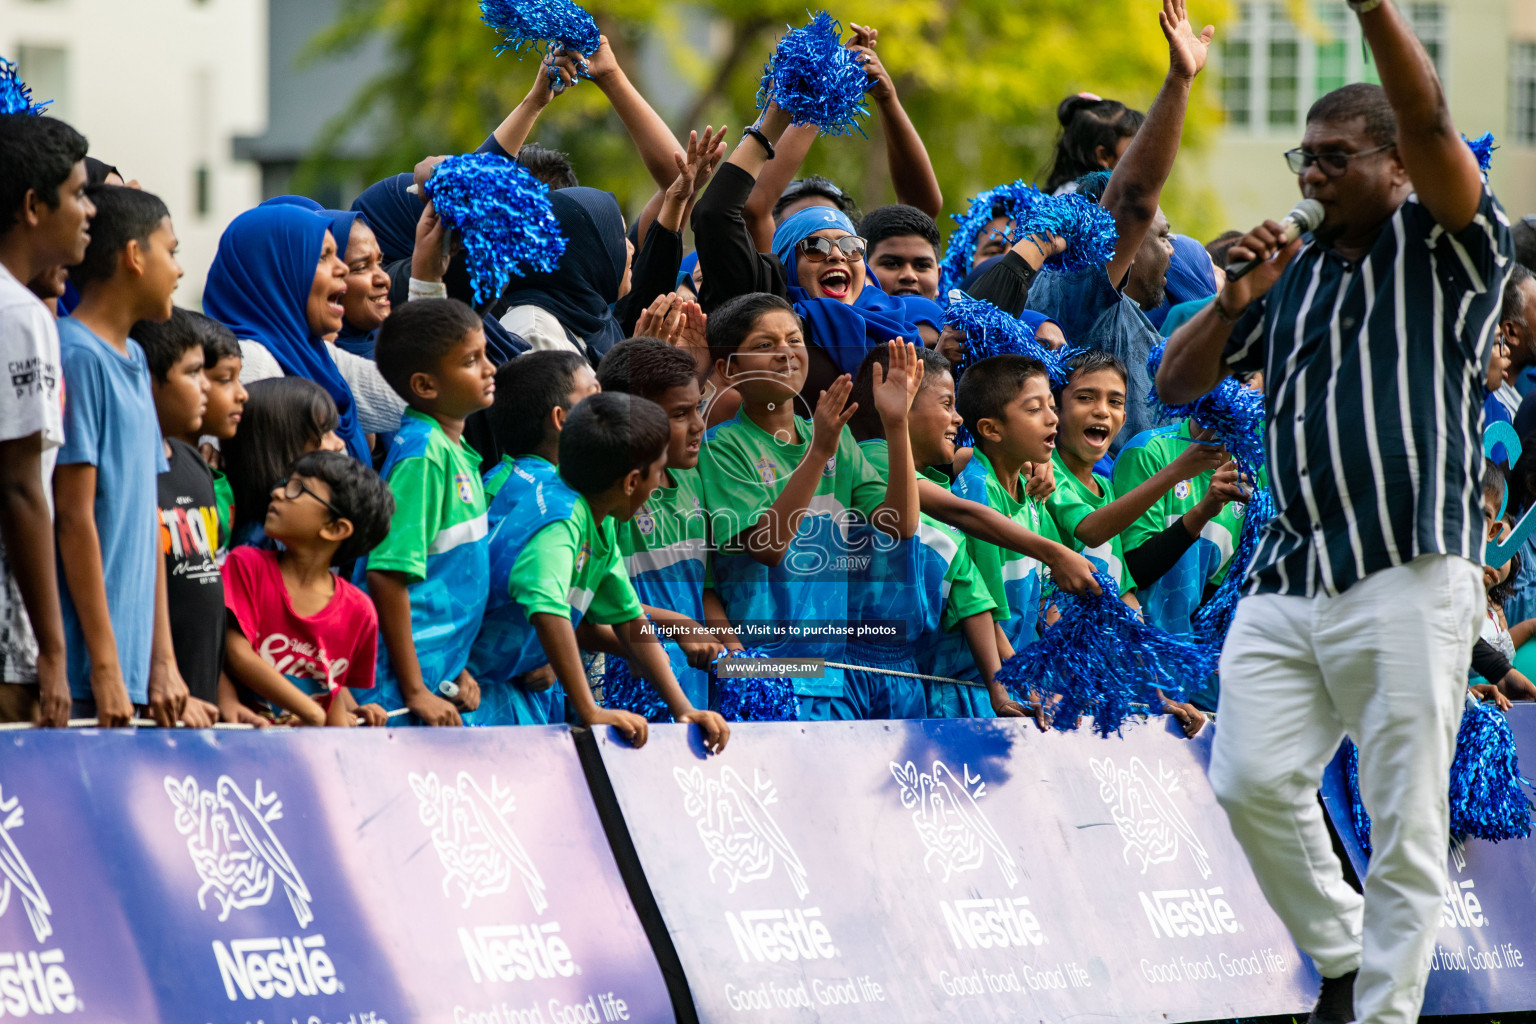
347 495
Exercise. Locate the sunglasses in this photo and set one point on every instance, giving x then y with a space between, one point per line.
1332 164
294 487
817 249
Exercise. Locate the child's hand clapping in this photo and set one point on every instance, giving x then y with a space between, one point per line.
896 387
830 417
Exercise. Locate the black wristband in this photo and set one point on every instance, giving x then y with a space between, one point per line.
757 133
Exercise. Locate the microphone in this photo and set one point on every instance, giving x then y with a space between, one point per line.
1304 217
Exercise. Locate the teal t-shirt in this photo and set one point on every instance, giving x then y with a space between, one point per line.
437 538
743 469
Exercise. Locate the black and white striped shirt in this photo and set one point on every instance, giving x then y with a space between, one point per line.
1373 379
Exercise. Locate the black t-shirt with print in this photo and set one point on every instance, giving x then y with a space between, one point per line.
189 518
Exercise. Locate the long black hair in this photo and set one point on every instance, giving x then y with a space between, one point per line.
1087 123
283 418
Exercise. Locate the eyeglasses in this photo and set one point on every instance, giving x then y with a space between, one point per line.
817 249
293 487
1332 164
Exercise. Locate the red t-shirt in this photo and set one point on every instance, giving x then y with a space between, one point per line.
334 648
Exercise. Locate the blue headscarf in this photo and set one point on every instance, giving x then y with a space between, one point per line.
258 287
685 269
302 202
585 285
392 213
351 339
1191 276
846 332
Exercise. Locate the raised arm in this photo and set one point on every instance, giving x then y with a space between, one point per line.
733 265
1443 170
912 173
514 128
774 178
650 133
1136 187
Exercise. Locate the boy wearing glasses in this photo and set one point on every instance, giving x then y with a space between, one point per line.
300 638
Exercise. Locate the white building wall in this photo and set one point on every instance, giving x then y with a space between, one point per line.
158 87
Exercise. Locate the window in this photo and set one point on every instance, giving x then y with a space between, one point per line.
1522 81
1272 71
45 69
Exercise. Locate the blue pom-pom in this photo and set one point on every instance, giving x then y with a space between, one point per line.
1214 618
1359 820
1088 228
815 79
991 332
15 96
541 25
1482 147
1487 800
1234 413
752 699
1102 660
502 215
625 692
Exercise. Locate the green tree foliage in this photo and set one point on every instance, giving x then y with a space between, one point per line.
981 80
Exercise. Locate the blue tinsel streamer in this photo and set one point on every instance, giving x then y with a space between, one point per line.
1487 797
541 25
1233 412
625 692
815 79
1102 660
1088 228
755 700
15 96
1482 147
502 215
1213 618
1357 815
991 332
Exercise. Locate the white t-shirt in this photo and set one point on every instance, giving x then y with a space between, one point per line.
32 403
379 407
541 329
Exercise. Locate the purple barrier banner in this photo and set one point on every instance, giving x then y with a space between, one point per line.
951 870
1484 959
319 877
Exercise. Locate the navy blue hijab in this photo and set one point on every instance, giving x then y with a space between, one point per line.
258 286
392 213
846 332
350 339
585 285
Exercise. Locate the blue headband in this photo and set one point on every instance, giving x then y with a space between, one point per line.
803 225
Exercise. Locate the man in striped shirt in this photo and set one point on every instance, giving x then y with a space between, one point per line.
1365 593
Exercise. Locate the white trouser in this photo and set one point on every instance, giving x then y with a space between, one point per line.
1386 661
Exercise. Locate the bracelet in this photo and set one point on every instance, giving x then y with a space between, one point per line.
1364 6
1221 313
420 289
757 133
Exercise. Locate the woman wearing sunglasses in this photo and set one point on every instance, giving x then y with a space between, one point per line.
817 264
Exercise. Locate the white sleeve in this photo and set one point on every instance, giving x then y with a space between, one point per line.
379 407
256 363
539 328
29 350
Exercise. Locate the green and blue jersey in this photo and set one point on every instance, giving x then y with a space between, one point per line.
512 478
550 554
1012 580
665 547
1071 503
743 469
437 539
1170 601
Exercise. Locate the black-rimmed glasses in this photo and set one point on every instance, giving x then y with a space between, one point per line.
1332 164
294 486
